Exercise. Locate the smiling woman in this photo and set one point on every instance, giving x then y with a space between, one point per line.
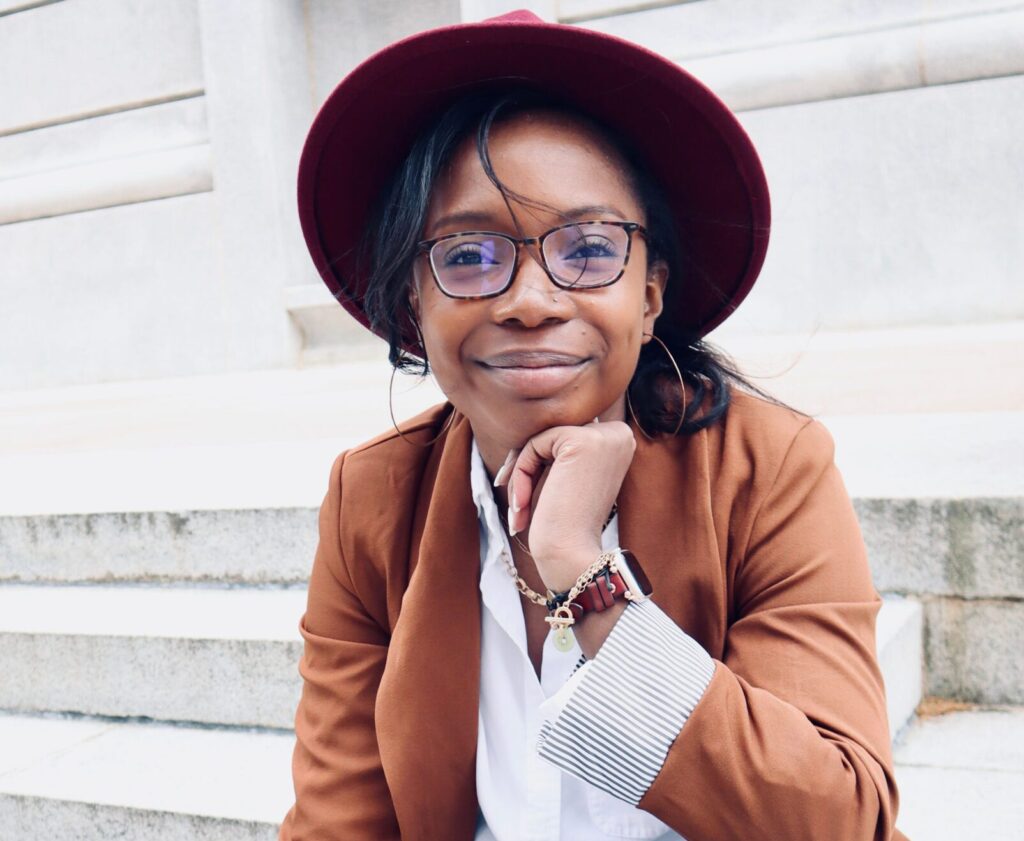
608 589
550 350
570 147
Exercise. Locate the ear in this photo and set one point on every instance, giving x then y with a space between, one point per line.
413 309
413 298
654 293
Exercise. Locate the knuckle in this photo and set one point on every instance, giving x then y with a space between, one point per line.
572 446
624 434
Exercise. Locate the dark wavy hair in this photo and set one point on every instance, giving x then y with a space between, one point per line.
389 248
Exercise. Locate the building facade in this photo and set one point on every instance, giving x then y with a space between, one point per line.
148 154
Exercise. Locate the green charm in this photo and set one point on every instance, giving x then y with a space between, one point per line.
564 639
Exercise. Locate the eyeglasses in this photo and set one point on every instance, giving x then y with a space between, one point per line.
579 255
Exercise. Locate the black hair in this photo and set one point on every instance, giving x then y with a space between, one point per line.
389 248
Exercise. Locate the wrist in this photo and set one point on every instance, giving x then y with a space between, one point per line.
559 574
615 575
602 587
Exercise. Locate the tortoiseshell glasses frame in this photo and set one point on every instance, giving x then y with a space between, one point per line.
434 248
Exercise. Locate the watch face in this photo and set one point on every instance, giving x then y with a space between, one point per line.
633 575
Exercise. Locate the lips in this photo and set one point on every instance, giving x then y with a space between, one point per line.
534 374
532 359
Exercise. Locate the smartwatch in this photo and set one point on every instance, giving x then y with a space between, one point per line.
626 581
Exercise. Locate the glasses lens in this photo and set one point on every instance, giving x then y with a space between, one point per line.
471 265
586 255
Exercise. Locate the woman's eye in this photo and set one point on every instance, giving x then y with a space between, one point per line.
471 254
592 248
463 255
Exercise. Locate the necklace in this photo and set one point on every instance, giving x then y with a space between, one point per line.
521 584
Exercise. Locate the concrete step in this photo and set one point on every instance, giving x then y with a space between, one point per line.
899 644
961 455
961 775
247 440
833 373
90 780
884 370
964 560
168 653
220 656
974 648
966 548
266 439
961 547
264 546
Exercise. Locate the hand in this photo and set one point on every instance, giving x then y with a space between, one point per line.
566 512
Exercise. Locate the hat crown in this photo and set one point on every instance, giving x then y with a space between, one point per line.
517 16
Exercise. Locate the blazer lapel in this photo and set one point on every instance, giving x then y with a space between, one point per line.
428 699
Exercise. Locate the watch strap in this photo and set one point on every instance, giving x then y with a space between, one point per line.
609 587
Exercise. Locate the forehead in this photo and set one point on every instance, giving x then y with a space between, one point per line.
550 159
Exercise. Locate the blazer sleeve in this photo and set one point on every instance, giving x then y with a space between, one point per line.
790 738
340 790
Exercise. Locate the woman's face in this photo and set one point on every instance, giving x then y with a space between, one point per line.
536 356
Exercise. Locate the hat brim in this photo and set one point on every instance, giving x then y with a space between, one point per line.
691 142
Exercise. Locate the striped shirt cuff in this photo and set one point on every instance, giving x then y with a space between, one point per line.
627 705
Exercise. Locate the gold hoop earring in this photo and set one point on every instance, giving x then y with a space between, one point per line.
391 410
419 335
682 389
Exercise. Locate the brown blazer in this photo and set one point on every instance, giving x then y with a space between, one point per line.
752 546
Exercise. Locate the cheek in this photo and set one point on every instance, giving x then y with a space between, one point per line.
623 332
445 327
624 322
438 328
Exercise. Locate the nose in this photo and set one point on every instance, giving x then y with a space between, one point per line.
532 300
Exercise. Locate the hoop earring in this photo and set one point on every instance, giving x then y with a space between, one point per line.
391 410
682 389
419 334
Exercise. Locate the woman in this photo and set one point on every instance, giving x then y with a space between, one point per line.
599 593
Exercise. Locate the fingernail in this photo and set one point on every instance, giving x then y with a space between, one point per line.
512 530
502 474
515 505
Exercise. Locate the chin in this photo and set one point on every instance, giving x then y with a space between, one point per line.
526 418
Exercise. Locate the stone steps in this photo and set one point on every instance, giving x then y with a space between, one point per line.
199 655
963 558
157 539
961 547
100 776
955 455
97 779
167 654
252 547
265 439
961 775
899 644
835 373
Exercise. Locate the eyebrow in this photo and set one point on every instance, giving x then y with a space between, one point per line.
472 217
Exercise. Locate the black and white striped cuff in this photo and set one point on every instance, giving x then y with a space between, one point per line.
617 726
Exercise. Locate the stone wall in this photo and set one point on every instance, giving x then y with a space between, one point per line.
149 153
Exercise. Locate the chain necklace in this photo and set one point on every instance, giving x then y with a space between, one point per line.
521 584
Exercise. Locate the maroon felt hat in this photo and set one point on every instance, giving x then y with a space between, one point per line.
691 142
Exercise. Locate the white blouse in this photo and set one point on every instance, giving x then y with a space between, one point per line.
541 774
